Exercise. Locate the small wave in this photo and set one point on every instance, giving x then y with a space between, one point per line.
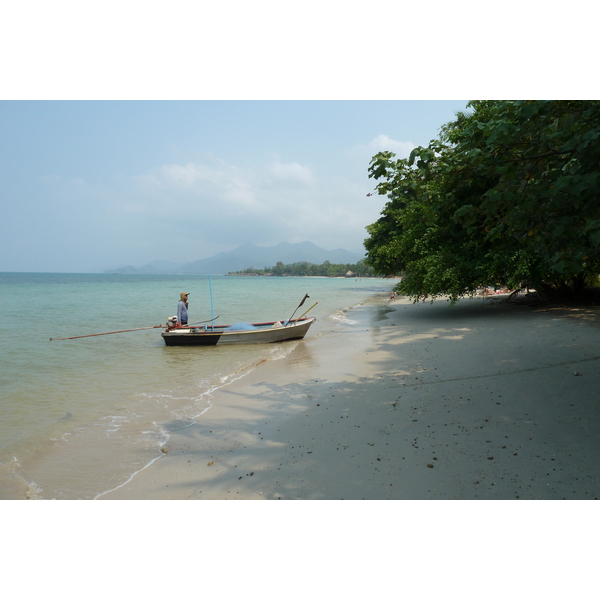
129 479
116 422
279 352
33 492
178 424
339 316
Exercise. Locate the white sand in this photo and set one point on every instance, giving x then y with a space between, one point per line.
483 400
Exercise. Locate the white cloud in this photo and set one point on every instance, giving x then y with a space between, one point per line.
292 172
183 212
381 143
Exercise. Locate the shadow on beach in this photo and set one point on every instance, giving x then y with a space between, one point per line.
477 401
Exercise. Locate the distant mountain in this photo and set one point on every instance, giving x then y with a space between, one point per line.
157 267
166 266
248 255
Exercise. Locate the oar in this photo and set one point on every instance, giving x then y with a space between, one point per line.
106 333
124 331
297 307
306 311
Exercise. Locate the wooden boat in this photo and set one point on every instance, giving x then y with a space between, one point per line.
242 333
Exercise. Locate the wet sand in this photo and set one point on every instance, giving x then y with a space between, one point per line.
483 400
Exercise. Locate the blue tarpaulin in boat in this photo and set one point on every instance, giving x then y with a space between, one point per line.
241 327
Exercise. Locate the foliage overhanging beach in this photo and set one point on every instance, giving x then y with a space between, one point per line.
508 195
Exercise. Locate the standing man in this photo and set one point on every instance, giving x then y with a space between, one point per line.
182 313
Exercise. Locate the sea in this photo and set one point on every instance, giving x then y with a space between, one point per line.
81 417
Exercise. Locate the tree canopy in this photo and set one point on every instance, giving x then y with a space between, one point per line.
510 192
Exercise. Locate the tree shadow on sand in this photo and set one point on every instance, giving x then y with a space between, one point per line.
470 402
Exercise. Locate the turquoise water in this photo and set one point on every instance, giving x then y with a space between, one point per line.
81 417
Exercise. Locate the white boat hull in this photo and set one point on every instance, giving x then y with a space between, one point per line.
258 333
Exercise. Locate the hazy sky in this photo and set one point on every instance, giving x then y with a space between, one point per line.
258 137
89 185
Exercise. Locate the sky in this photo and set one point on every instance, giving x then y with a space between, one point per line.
131 133
93 185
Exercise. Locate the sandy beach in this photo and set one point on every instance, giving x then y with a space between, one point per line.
483 400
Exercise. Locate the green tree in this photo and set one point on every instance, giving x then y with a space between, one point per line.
278 269
510 192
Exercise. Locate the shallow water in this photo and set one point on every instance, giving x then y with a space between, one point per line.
80 417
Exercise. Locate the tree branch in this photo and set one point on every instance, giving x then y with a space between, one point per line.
502 162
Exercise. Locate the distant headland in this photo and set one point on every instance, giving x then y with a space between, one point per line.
306 269
247 256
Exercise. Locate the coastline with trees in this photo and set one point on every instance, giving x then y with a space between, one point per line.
306 269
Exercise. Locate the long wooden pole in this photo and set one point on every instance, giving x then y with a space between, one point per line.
306 311
76 337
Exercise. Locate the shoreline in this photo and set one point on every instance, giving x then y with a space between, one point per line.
97 425
483 400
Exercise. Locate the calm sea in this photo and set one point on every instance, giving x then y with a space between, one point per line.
80 417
